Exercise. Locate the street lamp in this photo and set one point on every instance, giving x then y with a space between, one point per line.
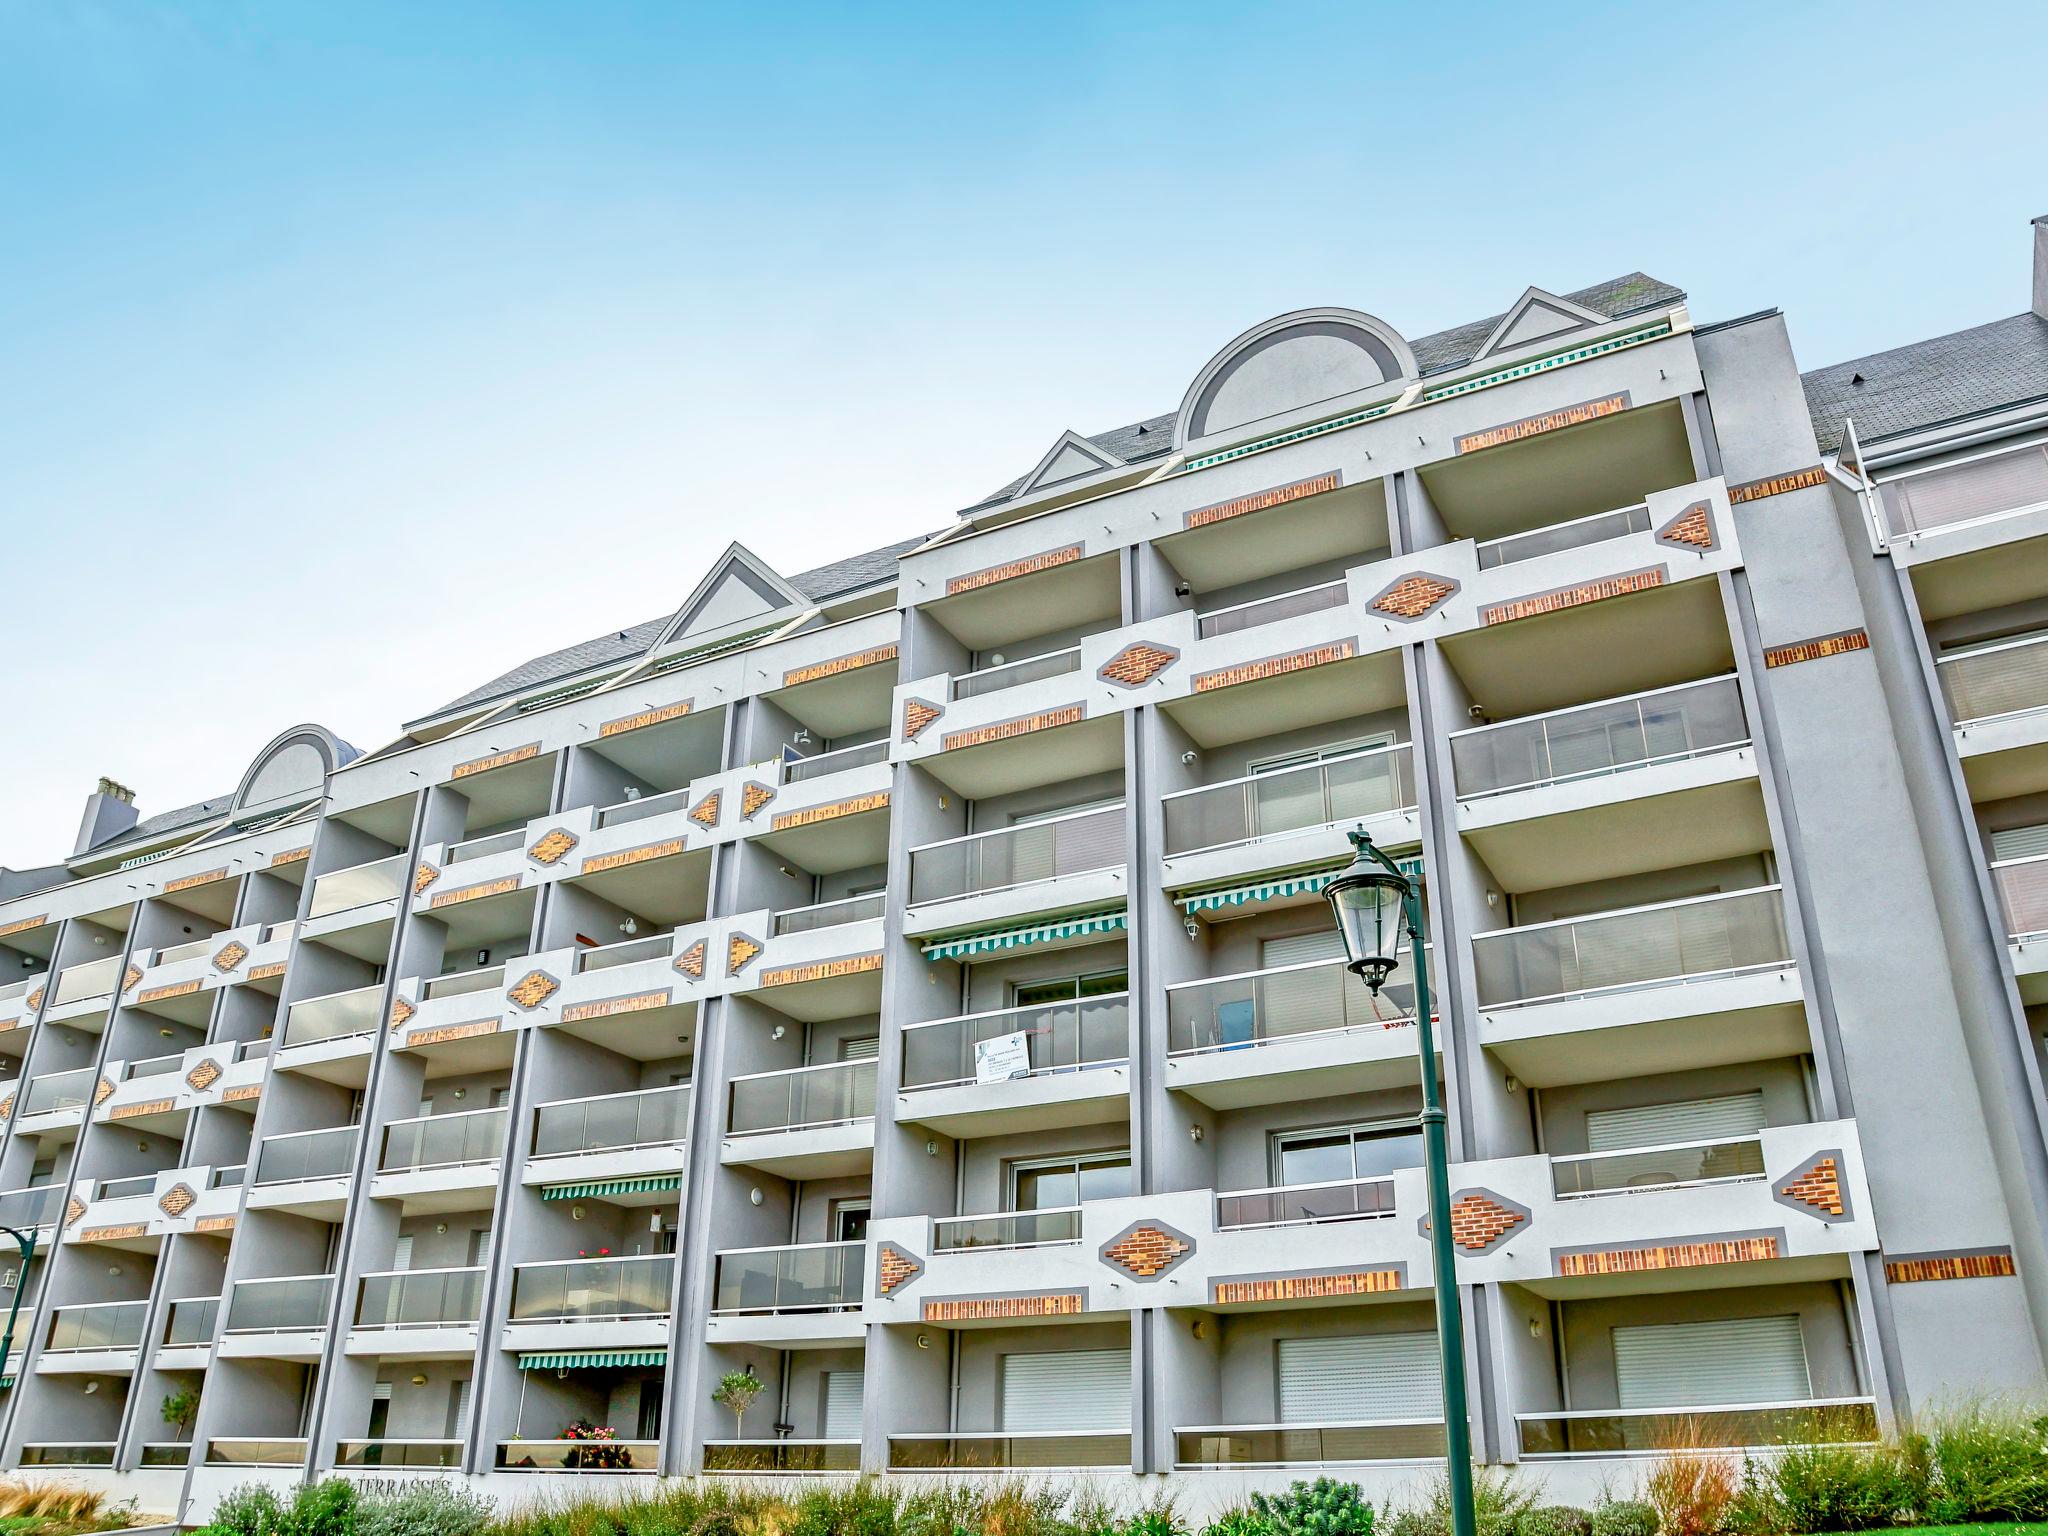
27 1243
1374 904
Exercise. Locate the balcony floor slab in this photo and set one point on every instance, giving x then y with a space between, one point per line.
1049 1101
810 1152
292 1344
1287 1070
453 1342
787 1330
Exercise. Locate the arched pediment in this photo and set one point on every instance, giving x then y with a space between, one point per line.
1291 361
292 769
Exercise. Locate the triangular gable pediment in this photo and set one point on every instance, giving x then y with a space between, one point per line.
1071 457
740 588
1537 316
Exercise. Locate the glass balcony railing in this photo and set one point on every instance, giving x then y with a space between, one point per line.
1032 669
1270 610
1591 740
642 807
229 1177
579 1456
1046 1450
626 952
809 1277
287 1304
486 978
96 1453
1300 1205
97 1325
19 989
1053 1227
252 1451
192 1321
96 978
1067 1036
166 1453
420 1298
1316 997
1661 1167
1678 941
60 1090
336 1016
1576 534
831 1094
1738 1426
655 1117
37 1207
153 1066
1292 1445
179 952
1010 856
297 1155
484 847
121 1189
797 770
830 914
398 1453
1991 486
359 886
444 1141
2009 678
580 1289
1374 782
783 1456
2023 894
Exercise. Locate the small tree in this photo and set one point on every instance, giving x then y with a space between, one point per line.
180 1409
737 1391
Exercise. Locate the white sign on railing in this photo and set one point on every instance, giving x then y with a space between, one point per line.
999 1059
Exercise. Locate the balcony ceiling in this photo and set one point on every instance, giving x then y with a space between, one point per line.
1705 1277
820 1002
671 754
2004 775
844 705
214 903
1014 611
1987 578
514 794
651 1034
1337 525
669 891
828 847
1026 762
1627 836
490 923
1318 696
389 821
465 1058
1554 1057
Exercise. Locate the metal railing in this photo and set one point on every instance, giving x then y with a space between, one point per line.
230 1177
1988 485
1046 1449
192 1321
361 885
336 1016
796 770
578 1289
830 914
2023 894
2009 678
296 1155
831 1093
641 807
20 988
1301 1205
484 847
398 1453
1039 850
254 1451
783 1456
1703 936
483 978
60 1090
1590 740
444 1141
609 1123
1669 1166
1066 1036
1270 610
284 930
1289 1445
1374 781
579 1456
626 952
807 1277
420 1298
95 978
1011 674
1733 1426
1053 1227
97 1325
1574 534
1315 997
284 1304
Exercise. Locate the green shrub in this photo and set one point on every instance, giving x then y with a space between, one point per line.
1554 1520
1238 1520
1625 1517
1324 1507
251 1509
1836 1487
1988 1461
436 1508
1500 1502
1158 1518
325 1508
862 1508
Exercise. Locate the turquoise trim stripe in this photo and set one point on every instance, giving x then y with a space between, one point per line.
587 1359
1022 937
649 1185
1279 886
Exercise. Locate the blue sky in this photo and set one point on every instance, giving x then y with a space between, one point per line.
336 334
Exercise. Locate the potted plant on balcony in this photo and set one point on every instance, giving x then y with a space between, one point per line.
737 1391
600 1448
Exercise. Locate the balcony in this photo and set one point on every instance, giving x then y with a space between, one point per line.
806 1295
1305 1205
781 1457
420 1314
1271 610
254 1451
1303 1445
1739 1426
36 1207
1997 696
1054 1227
1673 1165
1621 982
608 957
974 685
625 1135
2022 887
612 1303
1293 1031
1038 1450
1077 1053
805 1122
95 1453
282 1318
386 1454
332 1028
89 982
307 1171
352 889
1065 863
188 1334
429 1161
94 1336
64 1094
1973 504
820 765
829 914
578 1456
1577 533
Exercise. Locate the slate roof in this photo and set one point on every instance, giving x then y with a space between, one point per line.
171 821
1965 373
1133 443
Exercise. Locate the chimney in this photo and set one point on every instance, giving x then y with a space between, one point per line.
2041 266
109 811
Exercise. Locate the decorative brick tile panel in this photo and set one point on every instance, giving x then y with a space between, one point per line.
1147 1249
895 1268
475 892
231 955
23 924
705 811
291 856
134 1111
1259 501
533 989
552 847
917 714
1778 485
646 717
838 664
740 952
103 1092
691 961
424 876
1816 1189
1634 1260
822 970
112 1234
811 815
503 759
188 882
401 1010
73 1209
1549 421
6 1106
242 1094
176 1200
164 993
1963 1264
33 1001
1308 1287
1572 597
1274 666
1814 650
752 797
1004 730
1135 665
639 1002
1693 528
266 972
1414 596
1482 1220
214 1224
974 1309
598 863
129 977
1010 570
449 1032
203 1076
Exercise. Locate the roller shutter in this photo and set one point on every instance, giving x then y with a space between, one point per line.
1370 1376
842 1405
1656 1125
1736 1360
1083 1390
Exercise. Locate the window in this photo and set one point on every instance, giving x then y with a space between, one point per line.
1289 800
2019 842
380 1410
842 1405
1067 989
501 1098
401 1253
849 1221
650 1409
1346 1152
458 1407
1048 1185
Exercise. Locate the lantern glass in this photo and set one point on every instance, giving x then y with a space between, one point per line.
1367 904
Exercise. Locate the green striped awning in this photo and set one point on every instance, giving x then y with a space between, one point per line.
963 945
584 1359
1310 881
651 1184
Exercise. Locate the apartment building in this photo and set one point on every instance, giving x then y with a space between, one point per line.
907 981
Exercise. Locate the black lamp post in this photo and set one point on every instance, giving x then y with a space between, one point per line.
27 1243
1375 904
